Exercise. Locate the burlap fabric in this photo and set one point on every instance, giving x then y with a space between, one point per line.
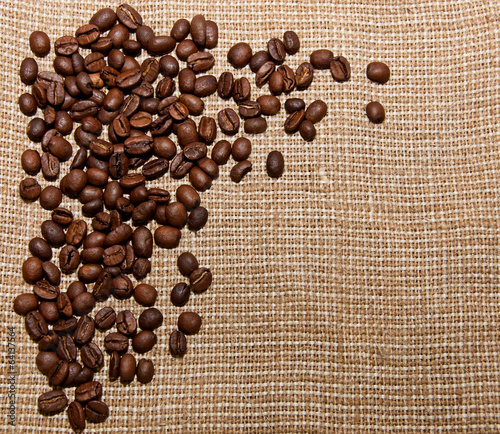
357 293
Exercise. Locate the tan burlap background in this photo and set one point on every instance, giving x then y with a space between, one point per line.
359 292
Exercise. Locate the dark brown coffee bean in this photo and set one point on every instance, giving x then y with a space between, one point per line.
138 145
304 75
36 325
76 233
32 270
48 309
25 303
128 16
53 233
205 86
225 85
239 170
288 79
340 69
66 350
39 43
249 109
122 287
180 29
178 111
258 59
275 164
58 373
320 59
129 79
200 61
160 45
49 342
269 105
212 35
75 289
126 323
375 112
199 30
229 122
294 104
141 215
40 248
45 360
307 130
105 318
104 19
27 104
197 218
89 391
132 48
28 71
264 73
60 148
187 263
316 111
293 121
144 341
87 34
255 125
169 66
120 235
92 255
69 259
52 402
145 294
81 109
194 151
92 356
167 237
174 214
159 196
177 344
207 129
84 331
291 42
189 323
114 365
145 371
30 189
188 196
76 416
113 255
239 55
155 169
141 268
127 368
378 72
187 79
180 167
276 49
241 149
187 133
66 325
96 239
62 216
194 104
200 279
180 293
31 161
83 303
150 319
221 152
36 129
199 179
164 147
85 375
185 49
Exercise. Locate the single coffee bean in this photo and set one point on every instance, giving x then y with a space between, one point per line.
180 293
27 104
199 30
132 48
122 287
199 179
64 305
304 75
58 373
200 61
188 196
83 303
375 112
378 72
50 197
207 129
150 319
275 164
102 286
84 331
141 268
258 59
241 149
48 309
269 105
320 59
49 342
194 151
36 129
288 79
164 147
128 16
316 111
40 248
205 86
200 279
113 255
61 148
32 270
185 49
276 49
31 162
127 367
180 29
144 341
28 71
249 109
177 344
76 233
145 294
307 130
264 72
45 360
229 122
340 69
39 43
197 218
221 152
291 42
114 365
167 237
126 323
53 233
155 169
62 216
66 350
239 55
189 323
30 189
52 402
255 125
69 259
25 303
145 371
159 196
104 19
160 45
92 356
141 215
89 391
225 85
64 326
178 111
174 214
76 416
120 235
187 263
293 121
105 318
66 45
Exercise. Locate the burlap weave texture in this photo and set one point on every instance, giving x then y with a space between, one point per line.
359 292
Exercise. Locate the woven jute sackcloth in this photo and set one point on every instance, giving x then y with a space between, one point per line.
357 293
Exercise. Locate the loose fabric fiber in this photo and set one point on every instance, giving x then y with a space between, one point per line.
357 293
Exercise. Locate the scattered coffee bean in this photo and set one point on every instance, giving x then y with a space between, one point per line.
375 112
178 344
239 170
239 55
145 371
316 111
275 164
52 402
189 323
340 69
378 72
180 294
39 43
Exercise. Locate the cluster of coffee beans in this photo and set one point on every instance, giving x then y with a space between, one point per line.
98 83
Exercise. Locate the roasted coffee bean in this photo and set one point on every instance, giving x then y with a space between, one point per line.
53 233
84 331
132 48
316 111
187 79
92 255
25 303
58 373
169 66
197 218
189 323
258 59
264 72
66 350
221 152
64 305
83 303
104 19
32 270
129 79
320 59
112 193
150 319
375 112
293 121
180 29
121 126
194 104
27 104
212 35
138 145
63 123
120 235
187 263
207 129
255 125
378 72
76 233
114 365
276 49
164 147
294 104
160 45
229 122
188 196
142 239
187 133
128 16
249 109
159 196
48 309
178 111
185 49
141 215
340 69
225 85
29 189
200 279
36 129
45 291
199 179
275 164
45 360
64 326
242 90
66 45
241 149
150 105
126 323
269 105
97 239
122 287
105 318
307 130
288 79
180 293
52 402
239 55
87 34
102 286
291 42
304 76
76 416
167 237
69 259
40 248
28 71
75 289
39 43
174 214
194 151
92 356
177 344
141 268
200 61
127 368
105 43
74 182
36 325
199 30
97 177
155 169
145 371
145 294
62 216
116 342
205 86
89 391
144 341
31 162
113 255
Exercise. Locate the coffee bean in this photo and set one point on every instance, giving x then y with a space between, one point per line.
84 331
199 30
66 350
48 309
258 59
75 289
39 43
25 303
50 197
221 152
32 270
200 279
159 196
49 342
225 85
105 318
167 237
92 356
89 391
229 122
276 49
83 303
194 151
52 402
320 59
187 133
155 169
104 19
128 16
64 305
62 216
200 61
188 196
126 323
178 111
207 129
316 111
378 72
269 104
288 79
189 323
264 72
69 259
64 326
307 130
239 55
144 341
122 287
304 75
293 121
291 42
375 112
255 125
340 69
53 233
241 149
177 344
249 109
76 416
45 360
160 45
29 189
180 293
114 365
180 29
76 233
127 368
36 325
169 66
58 373
242 90
145 294
36 129
28 71
28 105
145 371
61 148
275 164
197 218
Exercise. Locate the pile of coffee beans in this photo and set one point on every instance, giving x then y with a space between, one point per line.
127 114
